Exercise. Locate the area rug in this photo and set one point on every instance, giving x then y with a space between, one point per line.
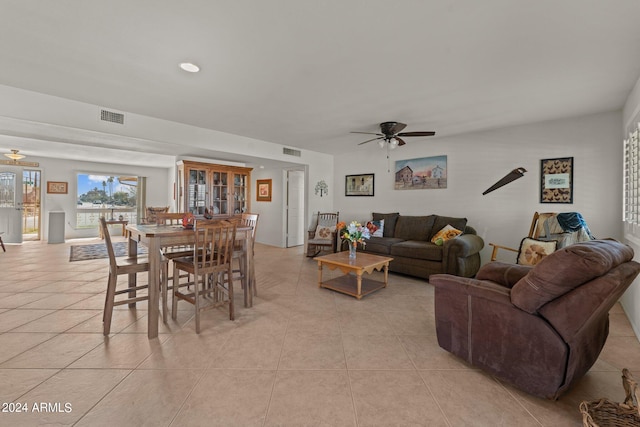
99 250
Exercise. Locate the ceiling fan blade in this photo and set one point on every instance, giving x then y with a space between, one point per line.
400 141
369 133
416 134
373 139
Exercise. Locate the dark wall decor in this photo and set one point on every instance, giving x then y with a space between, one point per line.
556 180
359 185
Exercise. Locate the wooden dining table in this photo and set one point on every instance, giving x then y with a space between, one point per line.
155 237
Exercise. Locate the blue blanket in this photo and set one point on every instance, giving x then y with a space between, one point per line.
573 221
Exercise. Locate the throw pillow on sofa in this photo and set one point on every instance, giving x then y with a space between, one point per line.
389 222
376 228
447 233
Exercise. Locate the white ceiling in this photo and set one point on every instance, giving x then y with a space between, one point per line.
304 73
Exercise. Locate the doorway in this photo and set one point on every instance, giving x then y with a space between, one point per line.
31 208
295 208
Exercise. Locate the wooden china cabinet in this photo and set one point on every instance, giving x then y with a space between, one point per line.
220 189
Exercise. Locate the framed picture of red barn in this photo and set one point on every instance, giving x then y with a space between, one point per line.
421 173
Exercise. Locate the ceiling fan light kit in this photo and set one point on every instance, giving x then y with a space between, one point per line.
14 155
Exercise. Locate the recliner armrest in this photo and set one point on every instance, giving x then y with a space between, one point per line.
503 273
474 287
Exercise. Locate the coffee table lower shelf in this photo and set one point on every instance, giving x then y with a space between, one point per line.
348 284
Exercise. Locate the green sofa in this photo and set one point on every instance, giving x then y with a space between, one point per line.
407 239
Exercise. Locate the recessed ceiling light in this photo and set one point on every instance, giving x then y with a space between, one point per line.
188 66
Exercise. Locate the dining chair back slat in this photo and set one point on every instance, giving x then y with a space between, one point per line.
210 266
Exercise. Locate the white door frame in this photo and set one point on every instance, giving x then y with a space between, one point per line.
298 220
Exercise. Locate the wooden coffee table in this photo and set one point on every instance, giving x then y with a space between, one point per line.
349 284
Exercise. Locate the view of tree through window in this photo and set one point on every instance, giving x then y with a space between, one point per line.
111 196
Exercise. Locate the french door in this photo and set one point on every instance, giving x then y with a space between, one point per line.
11 203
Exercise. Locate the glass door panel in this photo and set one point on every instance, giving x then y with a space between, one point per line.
197 196
220 193
239 193
11 204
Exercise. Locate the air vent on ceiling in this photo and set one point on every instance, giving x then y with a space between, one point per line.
292 152
110 116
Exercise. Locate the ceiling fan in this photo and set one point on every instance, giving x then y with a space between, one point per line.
391 133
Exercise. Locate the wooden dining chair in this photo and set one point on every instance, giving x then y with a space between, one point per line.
118 266
171 252
239 253
210 265
152 212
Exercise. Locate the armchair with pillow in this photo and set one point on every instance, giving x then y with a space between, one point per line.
538 328
323 233
549 231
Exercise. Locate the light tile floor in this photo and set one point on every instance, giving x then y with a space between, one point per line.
301 356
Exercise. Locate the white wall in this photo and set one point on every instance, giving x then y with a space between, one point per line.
476 161
62 170
270 223
32 116
631 299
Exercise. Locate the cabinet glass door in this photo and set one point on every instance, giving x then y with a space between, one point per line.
239 193
219 204
197 196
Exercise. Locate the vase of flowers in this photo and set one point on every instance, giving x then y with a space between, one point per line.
353 233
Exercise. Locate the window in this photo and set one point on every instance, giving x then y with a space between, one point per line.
631 207
111 196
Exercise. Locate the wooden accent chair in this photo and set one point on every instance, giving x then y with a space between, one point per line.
211 267
323 234
535 231
118 266
548 232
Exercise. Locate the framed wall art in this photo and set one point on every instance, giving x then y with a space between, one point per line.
57 187
359 185
263 193
422 173
556 180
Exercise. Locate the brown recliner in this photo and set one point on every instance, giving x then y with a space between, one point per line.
538 328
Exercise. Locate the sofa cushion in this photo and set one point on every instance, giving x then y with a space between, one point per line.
389 222
566 269
414 227
417 249
442 221
381 245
